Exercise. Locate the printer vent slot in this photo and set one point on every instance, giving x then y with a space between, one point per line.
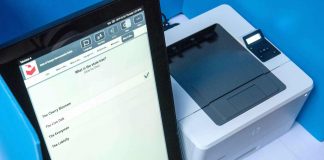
246 153
222 157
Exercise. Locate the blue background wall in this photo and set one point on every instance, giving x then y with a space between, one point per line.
18 139
296 27
18 17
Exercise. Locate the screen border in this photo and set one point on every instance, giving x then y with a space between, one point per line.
78 26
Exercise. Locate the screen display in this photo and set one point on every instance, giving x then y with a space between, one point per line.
253 38
96 98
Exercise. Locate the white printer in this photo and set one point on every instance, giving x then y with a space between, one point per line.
233 93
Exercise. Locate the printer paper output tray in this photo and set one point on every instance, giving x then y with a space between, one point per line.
223 78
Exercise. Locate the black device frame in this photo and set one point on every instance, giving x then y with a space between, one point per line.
77 26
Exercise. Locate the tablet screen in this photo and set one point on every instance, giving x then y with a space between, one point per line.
96 97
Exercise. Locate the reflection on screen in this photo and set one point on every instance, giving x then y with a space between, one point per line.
96 97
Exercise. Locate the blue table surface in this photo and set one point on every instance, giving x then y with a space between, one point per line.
296 27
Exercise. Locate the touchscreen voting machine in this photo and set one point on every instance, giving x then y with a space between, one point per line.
97 86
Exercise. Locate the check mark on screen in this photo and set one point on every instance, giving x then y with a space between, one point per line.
147 74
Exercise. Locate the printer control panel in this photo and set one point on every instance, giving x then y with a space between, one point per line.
260 46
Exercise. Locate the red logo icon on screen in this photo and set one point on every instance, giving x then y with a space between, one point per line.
30 70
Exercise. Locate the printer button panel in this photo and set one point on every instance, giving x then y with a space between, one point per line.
260 46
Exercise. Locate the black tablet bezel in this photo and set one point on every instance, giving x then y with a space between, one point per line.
80 24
